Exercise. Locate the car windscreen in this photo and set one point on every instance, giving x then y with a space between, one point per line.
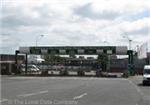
147 71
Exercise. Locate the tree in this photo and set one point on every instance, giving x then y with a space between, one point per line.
54 58
102 59
47 58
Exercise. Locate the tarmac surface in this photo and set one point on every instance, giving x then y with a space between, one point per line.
73 91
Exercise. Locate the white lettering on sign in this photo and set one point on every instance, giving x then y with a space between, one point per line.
62 51
81 51
121 50
44 51
109 51
99 51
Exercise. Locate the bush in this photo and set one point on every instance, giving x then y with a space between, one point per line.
81 73
126 74
63 72
44 73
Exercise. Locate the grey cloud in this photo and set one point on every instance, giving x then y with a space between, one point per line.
22 20
14 20
16 17
69 35
142 31
87 12
145 13
44 11
8 44
77 37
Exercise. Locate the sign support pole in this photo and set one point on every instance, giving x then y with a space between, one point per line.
26 64
16 61
130 62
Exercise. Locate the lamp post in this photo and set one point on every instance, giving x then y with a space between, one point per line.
37 37
106 43
36 43
129 40
130 58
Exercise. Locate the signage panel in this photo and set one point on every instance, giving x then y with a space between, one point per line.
99 51
62 51
121 50
44 51
109 51
80 51
24 50
87 50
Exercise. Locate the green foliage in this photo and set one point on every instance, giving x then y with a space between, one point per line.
54 58
103 60
47 58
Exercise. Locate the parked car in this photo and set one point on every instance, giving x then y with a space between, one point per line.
30 68
146 75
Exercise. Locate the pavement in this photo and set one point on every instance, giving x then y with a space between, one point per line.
73 91
74 73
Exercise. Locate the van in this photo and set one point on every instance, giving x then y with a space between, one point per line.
146 75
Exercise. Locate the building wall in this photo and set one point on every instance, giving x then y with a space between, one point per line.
7 63
7 57
7 68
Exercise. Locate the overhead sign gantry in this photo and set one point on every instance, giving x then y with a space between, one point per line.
76 50
71 50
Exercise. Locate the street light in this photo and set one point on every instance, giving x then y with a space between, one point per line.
130 57
36 41
130 41
106 43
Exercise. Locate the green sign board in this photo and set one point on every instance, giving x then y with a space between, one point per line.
76 50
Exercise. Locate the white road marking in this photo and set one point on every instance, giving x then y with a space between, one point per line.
137 89
45 91
3 100
32 94
80 96
145 97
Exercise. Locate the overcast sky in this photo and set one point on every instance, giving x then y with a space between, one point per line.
73 23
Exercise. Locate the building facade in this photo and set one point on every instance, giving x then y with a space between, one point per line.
7 63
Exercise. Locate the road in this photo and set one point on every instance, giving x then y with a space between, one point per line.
73 91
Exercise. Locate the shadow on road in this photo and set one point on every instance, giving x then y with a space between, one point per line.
141 85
